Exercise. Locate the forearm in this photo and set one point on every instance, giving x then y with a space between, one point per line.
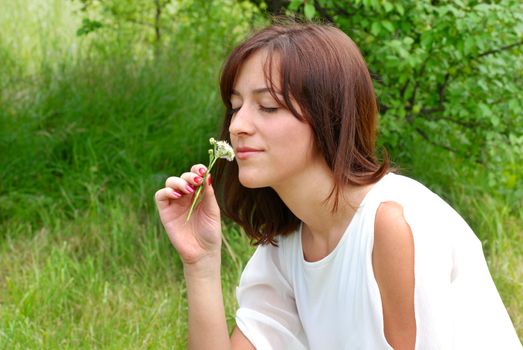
207 323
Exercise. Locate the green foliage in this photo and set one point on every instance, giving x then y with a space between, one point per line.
215 24
105 110
446 73
88 26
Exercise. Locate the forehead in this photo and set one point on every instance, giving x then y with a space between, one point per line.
254 75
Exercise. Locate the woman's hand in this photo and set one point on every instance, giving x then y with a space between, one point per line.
200 237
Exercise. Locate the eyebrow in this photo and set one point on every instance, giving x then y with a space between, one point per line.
255 91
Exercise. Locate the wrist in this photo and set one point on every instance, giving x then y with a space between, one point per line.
206 267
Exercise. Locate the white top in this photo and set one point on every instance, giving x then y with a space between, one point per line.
288 303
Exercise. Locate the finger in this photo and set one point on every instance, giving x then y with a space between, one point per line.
199 169
164 195
180 185
193 179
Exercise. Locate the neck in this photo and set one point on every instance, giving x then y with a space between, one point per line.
305 195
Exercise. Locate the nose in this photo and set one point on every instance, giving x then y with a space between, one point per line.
241 122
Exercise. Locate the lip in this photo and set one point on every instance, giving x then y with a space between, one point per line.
246 152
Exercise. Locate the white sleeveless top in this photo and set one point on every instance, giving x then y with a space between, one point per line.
288 303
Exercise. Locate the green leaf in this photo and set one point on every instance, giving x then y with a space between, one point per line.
388 7
309 10
88 26
388 25
295 5
426 39
485 111
400 9
469 45
375 28
482 7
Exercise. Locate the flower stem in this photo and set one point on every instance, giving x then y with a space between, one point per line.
197 198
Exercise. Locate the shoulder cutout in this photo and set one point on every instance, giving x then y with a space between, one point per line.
392 234
393 264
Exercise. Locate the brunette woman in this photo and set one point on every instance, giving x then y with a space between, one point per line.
350 255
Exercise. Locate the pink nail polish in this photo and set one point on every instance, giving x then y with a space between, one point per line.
197 179
202 171
177 194
189 188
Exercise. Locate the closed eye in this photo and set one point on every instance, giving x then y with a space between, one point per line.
268 109
263 109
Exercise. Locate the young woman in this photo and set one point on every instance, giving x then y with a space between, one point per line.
350 255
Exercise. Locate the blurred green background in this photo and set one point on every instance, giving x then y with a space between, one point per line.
101 101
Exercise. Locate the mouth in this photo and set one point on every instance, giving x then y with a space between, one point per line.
246 152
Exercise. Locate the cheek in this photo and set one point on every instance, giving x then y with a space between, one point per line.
295 154
299 140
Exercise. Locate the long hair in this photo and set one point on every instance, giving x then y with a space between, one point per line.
322 69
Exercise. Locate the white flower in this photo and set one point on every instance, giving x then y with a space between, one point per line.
224 150
220 149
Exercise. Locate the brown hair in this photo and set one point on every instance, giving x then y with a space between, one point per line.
322 69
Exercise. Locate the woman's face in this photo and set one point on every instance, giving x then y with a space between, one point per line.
271 145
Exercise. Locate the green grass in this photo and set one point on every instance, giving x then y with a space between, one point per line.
106 280
85 141
88 133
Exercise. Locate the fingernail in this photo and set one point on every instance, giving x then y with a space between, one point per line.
202 171
209 181
197 179
177 194
189 188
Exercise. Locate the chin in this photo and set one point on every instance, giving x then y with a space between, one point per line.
250 181
250 184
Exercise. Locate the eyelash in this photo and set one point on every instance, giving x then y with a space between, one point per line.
263 109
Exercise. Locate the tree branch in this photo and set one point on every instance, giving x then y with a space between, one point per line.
494 51
412 99
424 135
157 17
432 110
465 62
404 88
441 89
465 124
446 147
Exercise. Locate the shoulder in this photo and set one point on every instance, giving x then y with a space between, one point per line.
390 220
393 253
393 241
393 265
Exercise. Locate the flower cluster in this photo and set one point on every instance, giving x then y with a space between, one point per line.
221 149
